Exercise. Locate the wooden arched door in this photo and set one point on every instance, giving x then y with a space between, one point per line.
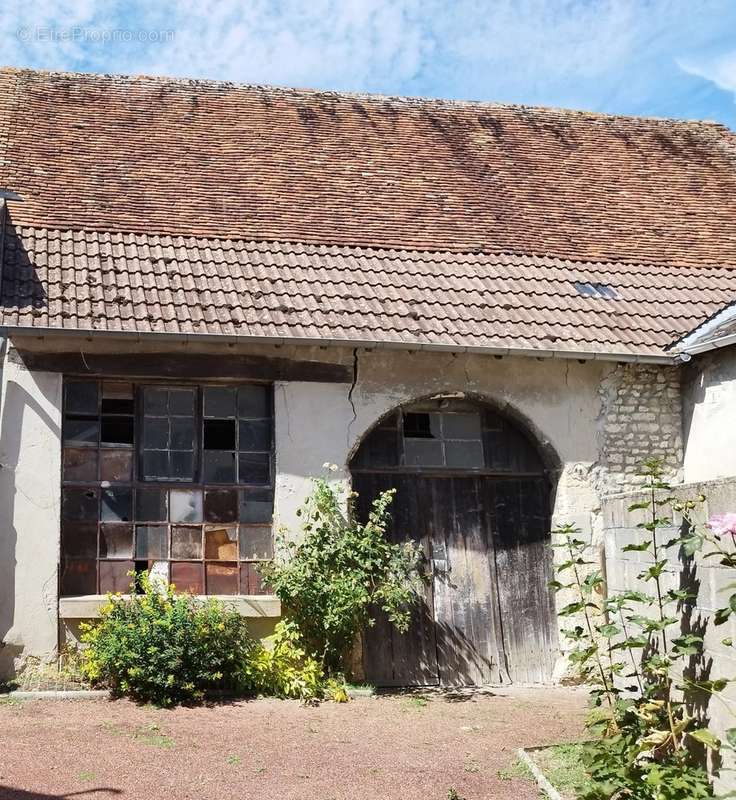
472 489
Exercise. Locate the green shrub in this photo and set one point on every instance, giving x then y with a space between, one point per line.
164 647
333 580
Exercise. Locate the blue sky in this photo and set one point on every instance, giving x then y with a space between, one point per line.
653 57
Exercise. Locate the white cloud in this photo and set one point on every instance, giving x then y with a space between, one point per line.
720 69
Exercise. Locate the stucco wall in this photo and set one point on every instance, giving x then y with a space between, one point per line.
709 416
30 463
574 409
706 576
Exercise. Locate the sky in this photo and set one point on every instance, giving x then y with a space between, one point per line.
666 58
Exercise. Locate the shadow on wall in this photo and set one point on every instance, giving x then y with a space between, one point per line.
17 405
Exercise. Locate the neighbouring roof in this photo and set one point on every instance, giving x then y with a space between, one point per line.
159 205
717 330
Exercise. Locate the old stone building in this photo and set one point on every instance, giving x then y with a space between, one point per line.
208 291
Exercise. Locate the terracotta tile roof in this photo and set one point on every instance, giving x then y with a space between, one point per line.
156 155
91 280
158 205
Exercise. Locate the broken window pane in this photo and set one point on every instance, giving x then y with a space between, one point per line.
222 578
158 572
116 430
218 434
220 543
461 426
256 505
186 542
81 430
117 398
116 541
151 505
79 504
116 465
219 401
421 425
80 397
221 505
256 542
79 539
114 576
254 468
80 465
423 453
116 504
250 580
254 401
186 505
219 467
151 541
78 577
188 577
464 455
255 434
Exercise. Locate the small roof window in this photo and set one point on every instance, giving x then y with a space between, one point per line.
601 291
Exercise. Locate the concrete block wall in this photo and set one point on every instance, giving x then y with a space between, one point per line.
705 575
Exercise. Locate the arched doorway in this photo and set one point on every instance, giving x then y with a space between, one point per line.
473 489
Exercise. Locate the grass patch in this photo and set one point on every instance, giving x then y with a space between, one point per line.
562 765
517 771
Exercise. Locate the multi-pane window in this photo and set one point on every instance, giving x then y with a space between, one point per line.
174 479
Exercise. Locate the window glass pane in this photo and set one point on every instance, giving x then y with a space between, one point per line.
155 401
219 434
222 578
254 401
159 571
116 541
117 398
182 433
188 577
81 431
467 455
116 430
156 464
423 453
254 468
186 541
79 539
78 577
116 465
219 401
80 397
219 467
79 504
151 505
182 466
80 465
155 434
186 505
256 505
181 402
151 541
220 543
255 434
114 576
221 505
461 426
256 542
250 579
116 504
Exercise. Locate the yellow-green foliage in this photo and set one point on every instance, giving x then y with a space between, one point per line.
165 647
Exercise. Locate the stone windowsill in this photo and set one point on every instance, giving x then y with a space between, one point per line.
256 605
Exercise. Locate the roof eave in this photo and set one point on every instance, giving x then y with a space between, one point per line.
187 338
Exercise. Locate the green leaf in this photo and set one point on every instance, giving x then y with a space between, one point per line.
706 737
636 548
642 504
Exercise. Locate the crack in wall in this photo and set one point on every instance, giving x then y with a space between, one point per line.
356 365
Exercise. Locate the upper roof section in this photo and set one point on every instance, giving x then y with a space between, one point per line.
161 156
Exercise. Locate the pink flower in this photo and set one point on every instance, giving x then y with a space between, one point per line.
721 524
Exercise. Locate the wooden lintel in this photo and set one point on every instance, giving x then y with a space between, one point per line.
191 366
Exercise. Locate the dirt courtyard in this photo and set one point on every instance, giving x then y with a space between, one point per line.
397 747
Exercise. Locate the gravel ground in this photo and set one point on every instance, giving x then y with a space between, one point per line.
397 747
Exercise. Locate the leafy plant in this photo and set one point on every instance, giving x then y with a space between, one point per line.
649 745
332 581
164 647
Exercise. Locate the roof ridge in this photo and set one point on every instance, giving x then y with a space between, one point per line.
406 100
